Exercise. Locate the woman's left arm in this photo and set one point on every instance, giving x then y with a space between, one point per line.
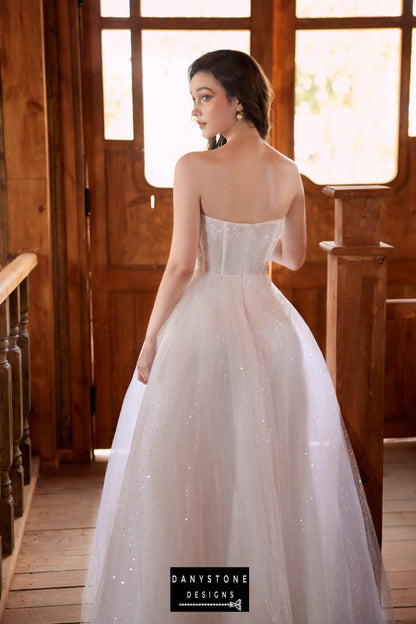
181 261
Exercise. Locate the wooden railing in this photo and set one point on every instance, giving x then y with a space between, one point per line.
15 447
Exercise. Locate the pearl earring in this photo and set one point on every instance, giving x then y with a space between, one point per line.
239 114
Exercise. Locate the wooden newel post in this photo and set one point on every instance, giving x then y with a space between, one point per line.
355 336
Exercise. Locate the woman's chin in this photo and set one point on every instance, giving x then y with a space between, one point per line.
205 132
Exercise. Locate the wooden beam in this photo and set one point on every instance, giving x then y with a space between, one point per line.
284 75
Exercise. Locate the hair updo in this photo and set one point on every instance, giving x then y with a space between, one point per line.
241 77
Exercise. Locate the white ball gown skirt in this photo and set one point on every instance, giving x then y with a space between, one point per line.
235 454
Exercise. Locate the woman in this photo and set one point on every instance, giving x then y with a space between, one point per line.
235 454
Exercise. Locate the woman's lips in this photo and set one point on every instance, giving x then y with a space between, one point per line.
201 124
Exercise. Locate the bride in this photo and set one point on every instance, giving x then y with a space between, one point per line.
230 451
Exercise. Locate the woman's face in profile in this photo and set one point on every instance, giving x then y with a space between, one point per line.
214 111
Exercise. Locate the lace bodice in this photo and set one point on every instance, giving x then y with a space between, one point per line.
236 248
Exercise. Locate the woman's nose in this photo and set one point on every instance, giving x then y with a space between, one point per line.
195 110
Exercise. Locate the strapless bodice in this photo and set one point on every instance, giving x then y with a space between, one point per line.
232 248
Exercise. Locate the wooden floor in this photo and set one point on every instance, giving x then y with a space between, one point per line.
50 571
399 527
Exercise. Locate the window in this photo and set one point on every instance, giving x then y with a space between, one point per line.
347 104
347 8
151 44
347 89
117 84
115 8
195 8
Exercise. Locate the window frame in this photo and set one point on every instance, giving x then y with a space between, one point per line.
259 24
284 79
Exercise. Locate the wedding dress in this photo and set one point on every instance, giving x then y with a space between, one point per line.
235 454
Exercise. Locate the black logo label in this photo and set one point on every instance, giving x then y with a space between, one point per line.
209 589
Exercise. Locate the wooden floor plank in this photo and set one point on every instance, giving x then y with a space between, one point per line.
52 563
401 533
399 518
403 597
401 504
399 555
58 542
45 597
406 615
64 510
68 614
400 579
45 580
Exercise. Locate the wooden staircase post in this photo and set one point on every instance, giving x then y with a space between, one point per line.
15 360
24 344
6 436
355 335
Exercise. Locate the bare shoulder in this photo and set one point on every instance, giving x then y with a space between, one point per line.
282 161
285 170
190 167
191 160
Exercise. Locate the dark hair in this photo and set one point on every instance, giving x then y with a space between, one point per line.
241 77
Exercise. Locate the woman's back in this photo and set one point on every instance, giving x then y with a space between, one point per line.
245 182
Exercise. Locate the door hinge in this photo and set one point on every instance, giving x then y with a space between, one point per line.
92 400
87 196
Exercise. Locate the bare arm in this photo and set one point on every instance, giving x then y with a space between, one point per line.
181 262
290 250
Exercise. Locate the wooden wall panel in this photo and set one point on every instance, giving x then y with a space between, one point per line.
57 205
398 228
138 236
3 191
400 389
129 311
306 290
25 139
129 315
67 194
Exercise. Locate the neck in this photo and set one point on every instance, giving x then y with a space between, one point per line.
242 131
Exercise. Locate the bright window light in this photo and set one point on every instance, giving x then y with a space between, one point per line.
195 8
348 8
117 84
347 105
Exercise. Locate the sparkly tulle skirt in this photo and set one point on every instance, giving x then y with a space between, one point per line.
235 454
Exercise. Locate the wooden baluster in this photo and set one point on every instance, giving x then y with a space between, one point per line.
356 313
6 446
24 344
15 361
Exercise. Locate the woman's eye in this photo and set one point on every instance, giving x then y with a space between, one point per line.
205 98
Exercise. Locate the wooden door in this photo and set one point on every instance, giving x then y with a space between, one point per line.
131 219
